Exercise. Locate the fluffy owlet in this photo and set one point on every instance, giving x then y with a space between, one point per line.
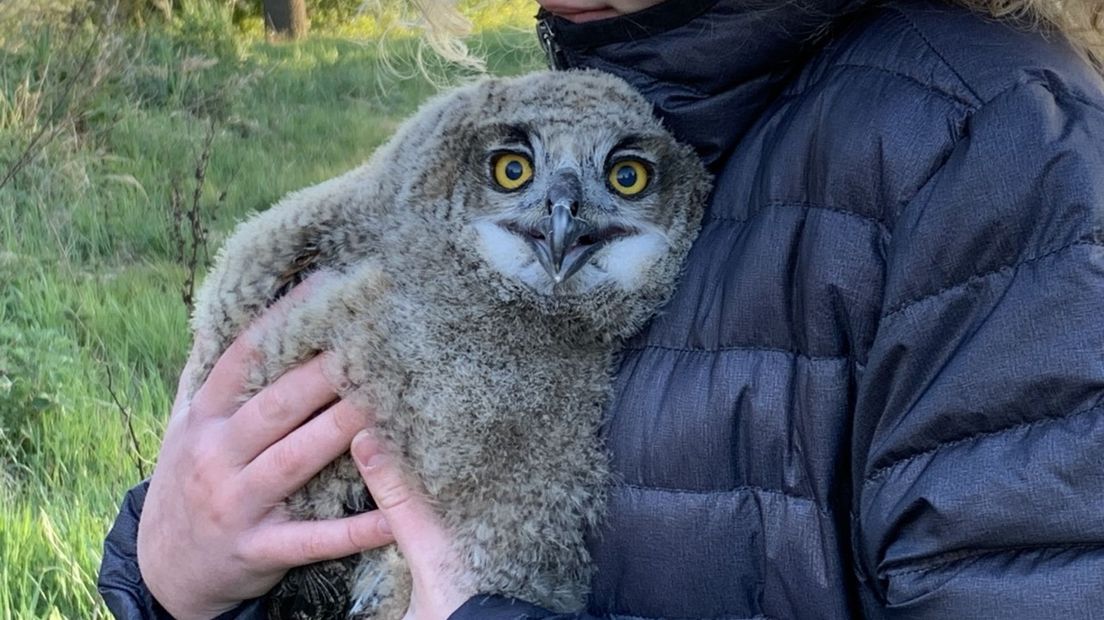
489 261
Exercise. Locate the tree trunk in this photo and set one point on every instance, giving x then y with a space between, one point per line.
286 18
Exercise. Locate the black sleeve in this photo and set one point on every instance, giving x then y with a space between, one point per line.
120 583
980 415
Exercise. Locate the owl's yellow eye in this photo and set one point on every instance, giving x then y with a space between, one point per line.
511 170
628 177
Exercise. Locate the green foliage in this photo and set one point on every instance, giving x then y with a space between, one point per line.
90 305
206 27
370 19
33 364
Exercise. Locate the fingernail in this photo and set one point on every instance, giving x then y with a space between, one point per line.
364 449
377 460
384 527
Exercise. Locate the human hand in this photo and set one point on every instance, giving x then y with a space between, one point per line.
425 544
213 530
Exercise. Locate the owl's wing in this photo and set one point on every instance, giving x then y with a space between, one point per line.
334 225
267 255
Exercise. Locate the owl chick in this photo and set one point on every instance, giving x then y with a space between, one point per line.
486 263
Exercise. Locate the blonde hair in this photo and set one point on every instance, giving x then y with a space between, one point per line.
444 28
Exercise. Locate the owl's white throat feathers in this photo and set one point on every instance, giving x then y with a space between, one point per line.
622 262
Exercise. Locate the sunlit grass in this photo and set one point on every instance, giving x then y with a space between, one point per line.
89 279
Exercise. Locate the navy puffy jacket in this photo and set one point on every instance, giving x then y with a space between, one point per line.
879 390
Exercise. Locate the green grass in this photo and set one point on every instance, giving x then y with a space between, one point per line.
89 277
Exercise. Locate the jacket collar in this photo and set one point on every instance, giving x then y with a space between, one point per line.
710 67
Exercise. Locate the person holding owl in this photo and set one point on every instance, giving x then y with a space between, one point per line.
878 391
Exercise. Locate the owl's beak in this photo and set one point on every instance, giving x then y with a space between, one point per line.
559 250
563 242
559 243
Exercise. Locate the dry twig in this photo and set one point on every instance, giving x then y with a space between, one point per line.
136 447
189 230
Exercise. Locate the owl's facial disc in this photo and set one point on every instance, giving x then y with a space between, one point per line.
566 215
562 242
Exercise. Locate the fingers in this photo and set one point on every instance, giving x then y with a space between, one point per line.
438 588
389 490
297 543
278 409
221 393
287 465
417 530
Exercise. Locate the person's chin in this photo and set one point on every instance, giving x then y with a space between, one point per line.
590 16
579 14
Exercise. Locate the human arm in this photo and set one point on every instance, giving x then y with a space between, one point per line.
127 596
120 582
210 531
980 415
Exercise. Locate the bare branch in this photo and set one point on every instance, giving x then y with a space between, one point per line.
188 227
136 448
51 127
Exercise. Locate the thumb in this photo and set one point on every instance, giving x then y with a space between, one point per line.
419 533
406 512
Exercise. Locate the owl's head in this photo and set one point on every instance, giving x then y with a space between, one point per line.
561 185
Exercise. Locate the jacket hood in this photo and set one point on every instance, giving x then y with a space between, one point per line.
709 66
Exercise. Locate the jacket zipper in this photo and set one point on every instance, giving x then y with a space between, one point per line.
552 51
